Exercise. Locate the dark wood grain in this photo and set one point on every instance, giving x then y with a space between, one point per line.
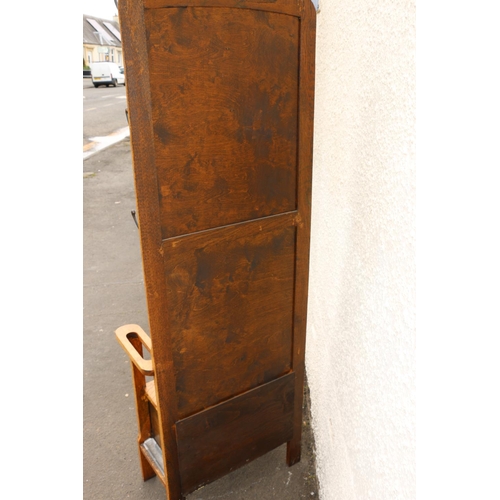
230 291
224 92
220 98
225 437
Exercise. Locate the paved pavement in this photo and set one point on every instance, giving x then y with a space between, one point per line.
104 118
113 296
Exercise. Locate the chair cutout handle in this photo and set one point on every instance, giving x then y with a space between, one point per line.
127 332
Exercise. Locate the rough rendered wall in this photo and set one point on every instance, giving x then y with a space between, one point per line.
361 327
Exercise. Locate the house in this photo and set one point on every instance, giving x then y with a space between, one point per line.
101 40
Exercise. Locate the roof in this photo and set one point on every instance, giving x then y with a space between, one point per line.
108 30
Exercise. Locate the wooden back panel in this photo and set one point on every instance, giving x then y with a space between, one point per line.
224 114
220 109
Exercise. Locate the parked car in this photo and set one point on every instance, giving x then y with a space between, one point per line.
106 73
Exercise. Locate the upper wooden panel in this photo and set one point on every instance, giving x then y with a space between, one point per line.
224 94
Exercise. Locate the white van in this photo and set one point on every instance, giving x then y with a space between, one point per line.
106 73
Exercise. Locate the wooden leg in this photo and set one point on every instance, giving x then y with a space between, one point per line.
294 446
293 451
143 417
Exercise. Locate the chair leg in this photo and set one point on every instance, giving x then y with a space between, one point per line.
293 451
143 417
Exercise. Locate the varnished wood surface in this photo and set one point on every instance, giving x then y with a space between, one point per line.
124 335
231 296
143 415
151 393
220 99
224 93
225 437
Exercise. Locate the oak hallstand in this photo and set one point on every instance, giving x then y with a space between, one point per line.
220 107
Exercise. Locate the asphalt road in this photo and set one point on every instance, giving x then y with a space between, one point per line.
103 111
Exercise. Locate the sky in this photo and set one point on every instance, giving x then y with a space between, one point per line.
99 8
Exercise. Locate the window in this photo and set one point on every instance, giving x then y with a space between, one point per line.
104 37
113 30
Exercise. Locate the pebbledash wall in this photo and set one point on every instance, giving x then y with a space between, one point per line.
361 351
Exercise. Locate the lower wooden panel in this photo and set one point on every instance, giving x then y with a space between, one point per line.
226 436
230 294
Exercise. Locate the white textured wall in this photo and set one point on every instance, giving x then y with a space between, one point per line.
361 328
